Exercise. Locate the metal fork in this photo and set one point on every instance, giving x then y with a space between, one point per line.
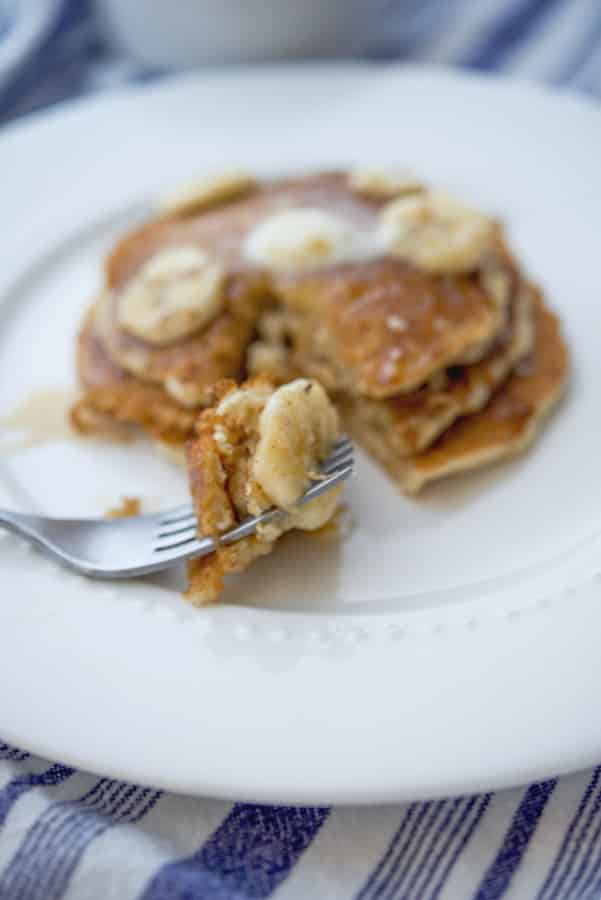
124 548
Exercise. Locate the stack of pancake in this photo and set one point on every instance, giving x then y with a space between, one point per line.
407 306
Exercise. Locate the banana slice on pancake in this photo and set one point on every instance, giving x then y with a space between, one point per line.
176 293
436 232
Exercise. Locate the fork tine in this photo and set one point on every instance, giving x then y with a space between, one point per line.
319 487
178 541
178 538
342 441
172 516
181 520
197 547
177 514
177 527
341 444
343 459
339 450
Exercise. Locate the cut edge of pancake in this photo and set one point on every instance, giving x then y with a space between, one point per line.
465 446
114 399
333 330
411 429
415 479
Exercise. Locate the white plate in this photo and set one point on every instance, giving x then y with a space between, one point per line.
449 644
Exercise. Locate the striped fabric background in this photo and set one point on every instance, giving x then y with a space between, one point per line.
558 41
66 834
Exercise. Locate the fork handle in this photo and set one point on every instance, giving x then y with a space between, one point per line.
20 524
10 520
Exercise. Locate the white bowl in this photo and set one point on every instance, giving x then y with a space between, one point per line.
27 23
184 33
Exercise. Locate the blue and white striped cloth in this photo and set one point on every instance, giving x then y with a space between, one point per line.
67 834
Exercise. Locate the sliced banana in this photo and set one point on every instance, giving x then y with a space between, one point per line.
383 183
498 283
241 408
436 232
317 512
301 240
189 393
296 431
272 360
210 190
177 292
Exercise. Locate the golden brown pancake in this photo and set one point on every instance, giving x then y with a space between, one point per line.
444 317
216 513
508 425
189 367
223 229
94 366
408 423
386 327
114 398
405 351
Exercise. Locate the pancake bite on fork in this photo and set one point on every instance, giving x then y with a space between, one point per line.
257 448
